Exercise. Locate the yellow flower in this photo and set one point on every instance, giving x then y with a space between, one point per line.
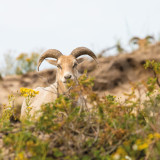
21 56
143 146
29 107
20 156
28 59
121 151
25 95
119 154
36 92
28 92
150 136
157 135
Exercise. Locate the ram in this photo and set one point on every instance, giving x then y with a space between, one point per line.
142 43
67 69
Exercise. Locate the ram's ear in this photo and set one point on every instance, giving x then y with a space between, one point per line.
53 62
80 60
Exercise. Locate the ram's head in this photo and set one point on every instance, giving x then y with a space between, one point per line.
142 42
67 65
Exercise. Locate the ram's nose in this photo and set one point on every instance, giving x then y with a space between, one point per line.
68 76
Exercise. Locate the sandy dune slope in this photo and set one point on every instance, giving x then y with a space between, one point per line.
113 75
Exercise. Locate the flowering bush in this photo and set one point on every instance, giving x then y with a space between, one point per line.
103 128
22 64
28 94
26 63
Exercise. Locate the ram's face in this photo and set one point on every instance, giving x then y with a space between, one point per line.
67 68
67 65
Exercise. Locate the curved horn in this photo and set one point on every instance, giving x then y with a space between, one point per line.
150 38
83 51
134 40
50 53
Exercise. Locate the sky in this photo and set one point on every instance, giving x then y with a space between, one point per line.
34 25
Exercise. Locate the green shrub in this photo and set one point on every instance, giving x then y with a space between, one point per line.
26 63
22 64
102 129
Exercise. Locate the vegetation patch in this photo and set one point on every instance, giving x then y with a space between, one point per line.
101 129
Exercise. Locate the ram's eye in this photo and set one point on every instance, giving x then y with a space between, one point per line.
59 66
75 64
